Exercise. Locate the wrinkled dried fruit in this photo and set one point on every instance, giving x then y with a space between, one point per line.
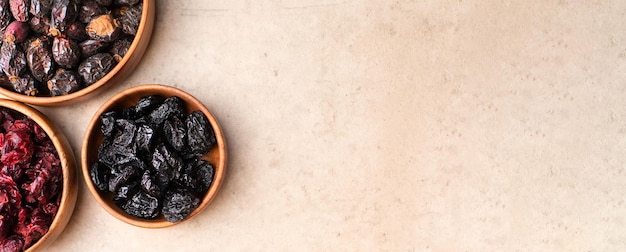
91 47
66 52
104 28
16 32
12 59
39 60
64 82
63 14
19 9
77 32
119 48
40 8
172 106
26 85
200 135
175 133
178 204
108 123
100 176
95 67
40 25
130 19
5 15
90 9
142 205
126 2
104 2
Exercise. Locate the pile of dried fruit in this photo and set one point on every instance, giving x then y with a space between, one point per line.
31 181
150 158
56 47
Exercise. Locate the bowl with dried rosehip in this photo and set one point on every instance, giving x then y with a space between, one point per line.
153 156
57 52
38 184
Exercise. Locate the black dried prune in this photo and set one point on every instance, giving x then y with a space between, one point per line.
16 32
19 9
12 59
40 8
91 47
149 184
167 164
64 12
88 10
172 106
119 48
147 103
125 132
125 192
144 138
39 59
178 204
64 82
66 52
121 175
26 84
40 25
95 67
200 134
130 19
104 28
175 133
99 174
108 123
142 205
76 31
197 176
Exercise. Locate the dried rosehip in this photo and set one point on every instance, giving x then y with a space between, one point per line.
77 32
39 59
40 8
126 2
26 85
64 82
64 13
90 9
5 14
104 28
91 47
119 48
16 32
95 67
19 9
65 51
12 59
40 25
130 19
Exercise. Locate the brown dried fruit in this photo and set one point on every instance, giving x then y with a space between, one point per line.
104 28
66 52
19 9
16 32
64 82
12 59
64 13
39 59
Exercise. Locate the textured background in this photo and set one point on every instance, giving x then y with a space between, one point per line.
391 125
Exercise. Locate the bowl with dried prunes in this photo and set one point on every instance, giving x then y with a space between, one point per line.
57 52
38 186
153 156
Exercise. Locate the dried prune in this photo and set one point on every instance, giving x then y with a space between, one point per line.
76 31
148 103
142 205
12 59
172 106
39 59
178 204
16 32
90 9
64 82
174 131
26 84
125 132
144 138
167 164
99 176
40 25
125 191
66 52
63 14
19 9
200 134
91 47
130 19
108 123
149 184
104 28
121 175
119 48
40 8
95 67
197 176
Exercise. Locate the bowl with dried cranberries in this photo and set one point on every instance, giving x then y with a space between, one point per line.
153 156
38 186
57 52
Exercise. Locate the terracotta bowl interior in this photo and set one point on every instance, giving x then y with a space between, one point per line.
66 156
93 139
124 68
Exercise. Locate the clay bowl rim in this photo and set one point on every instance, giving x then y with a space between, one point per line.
93 138
136 50
68 166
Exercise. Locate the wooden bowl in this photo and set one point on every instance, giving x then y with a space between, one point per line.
66 156
128 98
117 74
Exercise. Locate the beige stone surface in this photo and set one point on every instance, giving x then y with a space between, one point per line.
391 126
